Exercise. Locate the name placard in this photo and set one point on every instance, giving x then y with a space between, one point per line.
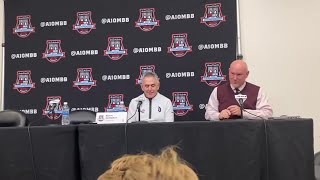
111 117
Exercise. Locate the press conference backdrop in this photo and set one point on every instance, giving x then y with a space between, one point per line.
92 54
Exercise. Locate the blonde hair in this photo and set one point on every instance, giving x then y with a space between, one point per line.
166 166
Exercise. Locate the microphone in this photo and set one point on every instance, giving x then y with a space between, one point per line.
241 98
139 104
140 101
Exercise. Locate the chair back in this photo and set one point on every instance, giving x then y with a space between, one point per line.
12 118
82 116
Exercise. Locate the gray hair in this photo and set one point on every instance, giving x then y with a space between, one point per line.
150 74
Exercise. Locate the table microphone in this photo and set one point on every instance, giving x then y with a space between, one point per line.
140 101
139 104
240 99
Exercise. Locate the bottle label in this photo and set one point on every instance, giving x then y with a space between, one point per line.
65 113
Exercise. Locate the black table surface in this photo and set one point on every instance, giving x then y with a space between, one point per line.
236 149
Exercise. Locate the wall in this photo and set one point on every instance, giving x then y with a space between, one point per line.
280 43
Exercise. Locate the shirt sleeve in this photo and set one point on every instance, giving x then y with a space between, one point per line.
263 108
212 108
132 111
169 115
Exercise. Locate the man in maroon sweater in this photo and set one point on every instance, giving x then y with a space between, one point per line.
223 105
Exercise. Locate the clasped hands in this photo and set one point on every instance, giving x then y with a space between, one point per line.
231 110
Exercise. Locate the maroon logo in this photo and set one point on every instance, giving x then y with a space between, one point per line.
114 103
53 109
179 45
23 26
84 81
53 52
23 82
115 49
213 16
147 19
84 23
212 74
180 103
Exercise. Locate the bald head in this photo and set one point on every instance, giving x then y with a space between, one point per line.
239 64
238 73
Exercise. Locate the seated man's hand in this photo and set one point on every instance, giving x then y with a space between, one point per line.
224 114
234 110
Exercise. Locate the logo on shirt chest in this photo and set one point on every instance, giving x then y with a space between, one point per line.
143 110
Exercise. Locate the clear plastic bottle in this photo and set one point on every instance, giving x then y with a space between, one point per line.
122 107
65 114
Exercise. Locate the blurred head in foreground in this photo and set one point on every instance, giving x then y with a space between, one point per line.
166 166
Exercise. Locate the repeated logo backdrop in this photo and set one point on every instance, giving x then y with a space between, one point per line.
92 54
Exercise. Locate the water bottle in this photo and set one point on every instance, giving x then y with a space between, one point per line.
122 107
65 114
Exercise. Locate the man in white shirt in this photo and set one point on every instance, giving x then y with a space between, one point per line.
154 107
222 104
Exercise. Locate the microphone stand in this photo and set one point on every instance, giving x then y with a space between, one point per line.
241 108
241 111
139 113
